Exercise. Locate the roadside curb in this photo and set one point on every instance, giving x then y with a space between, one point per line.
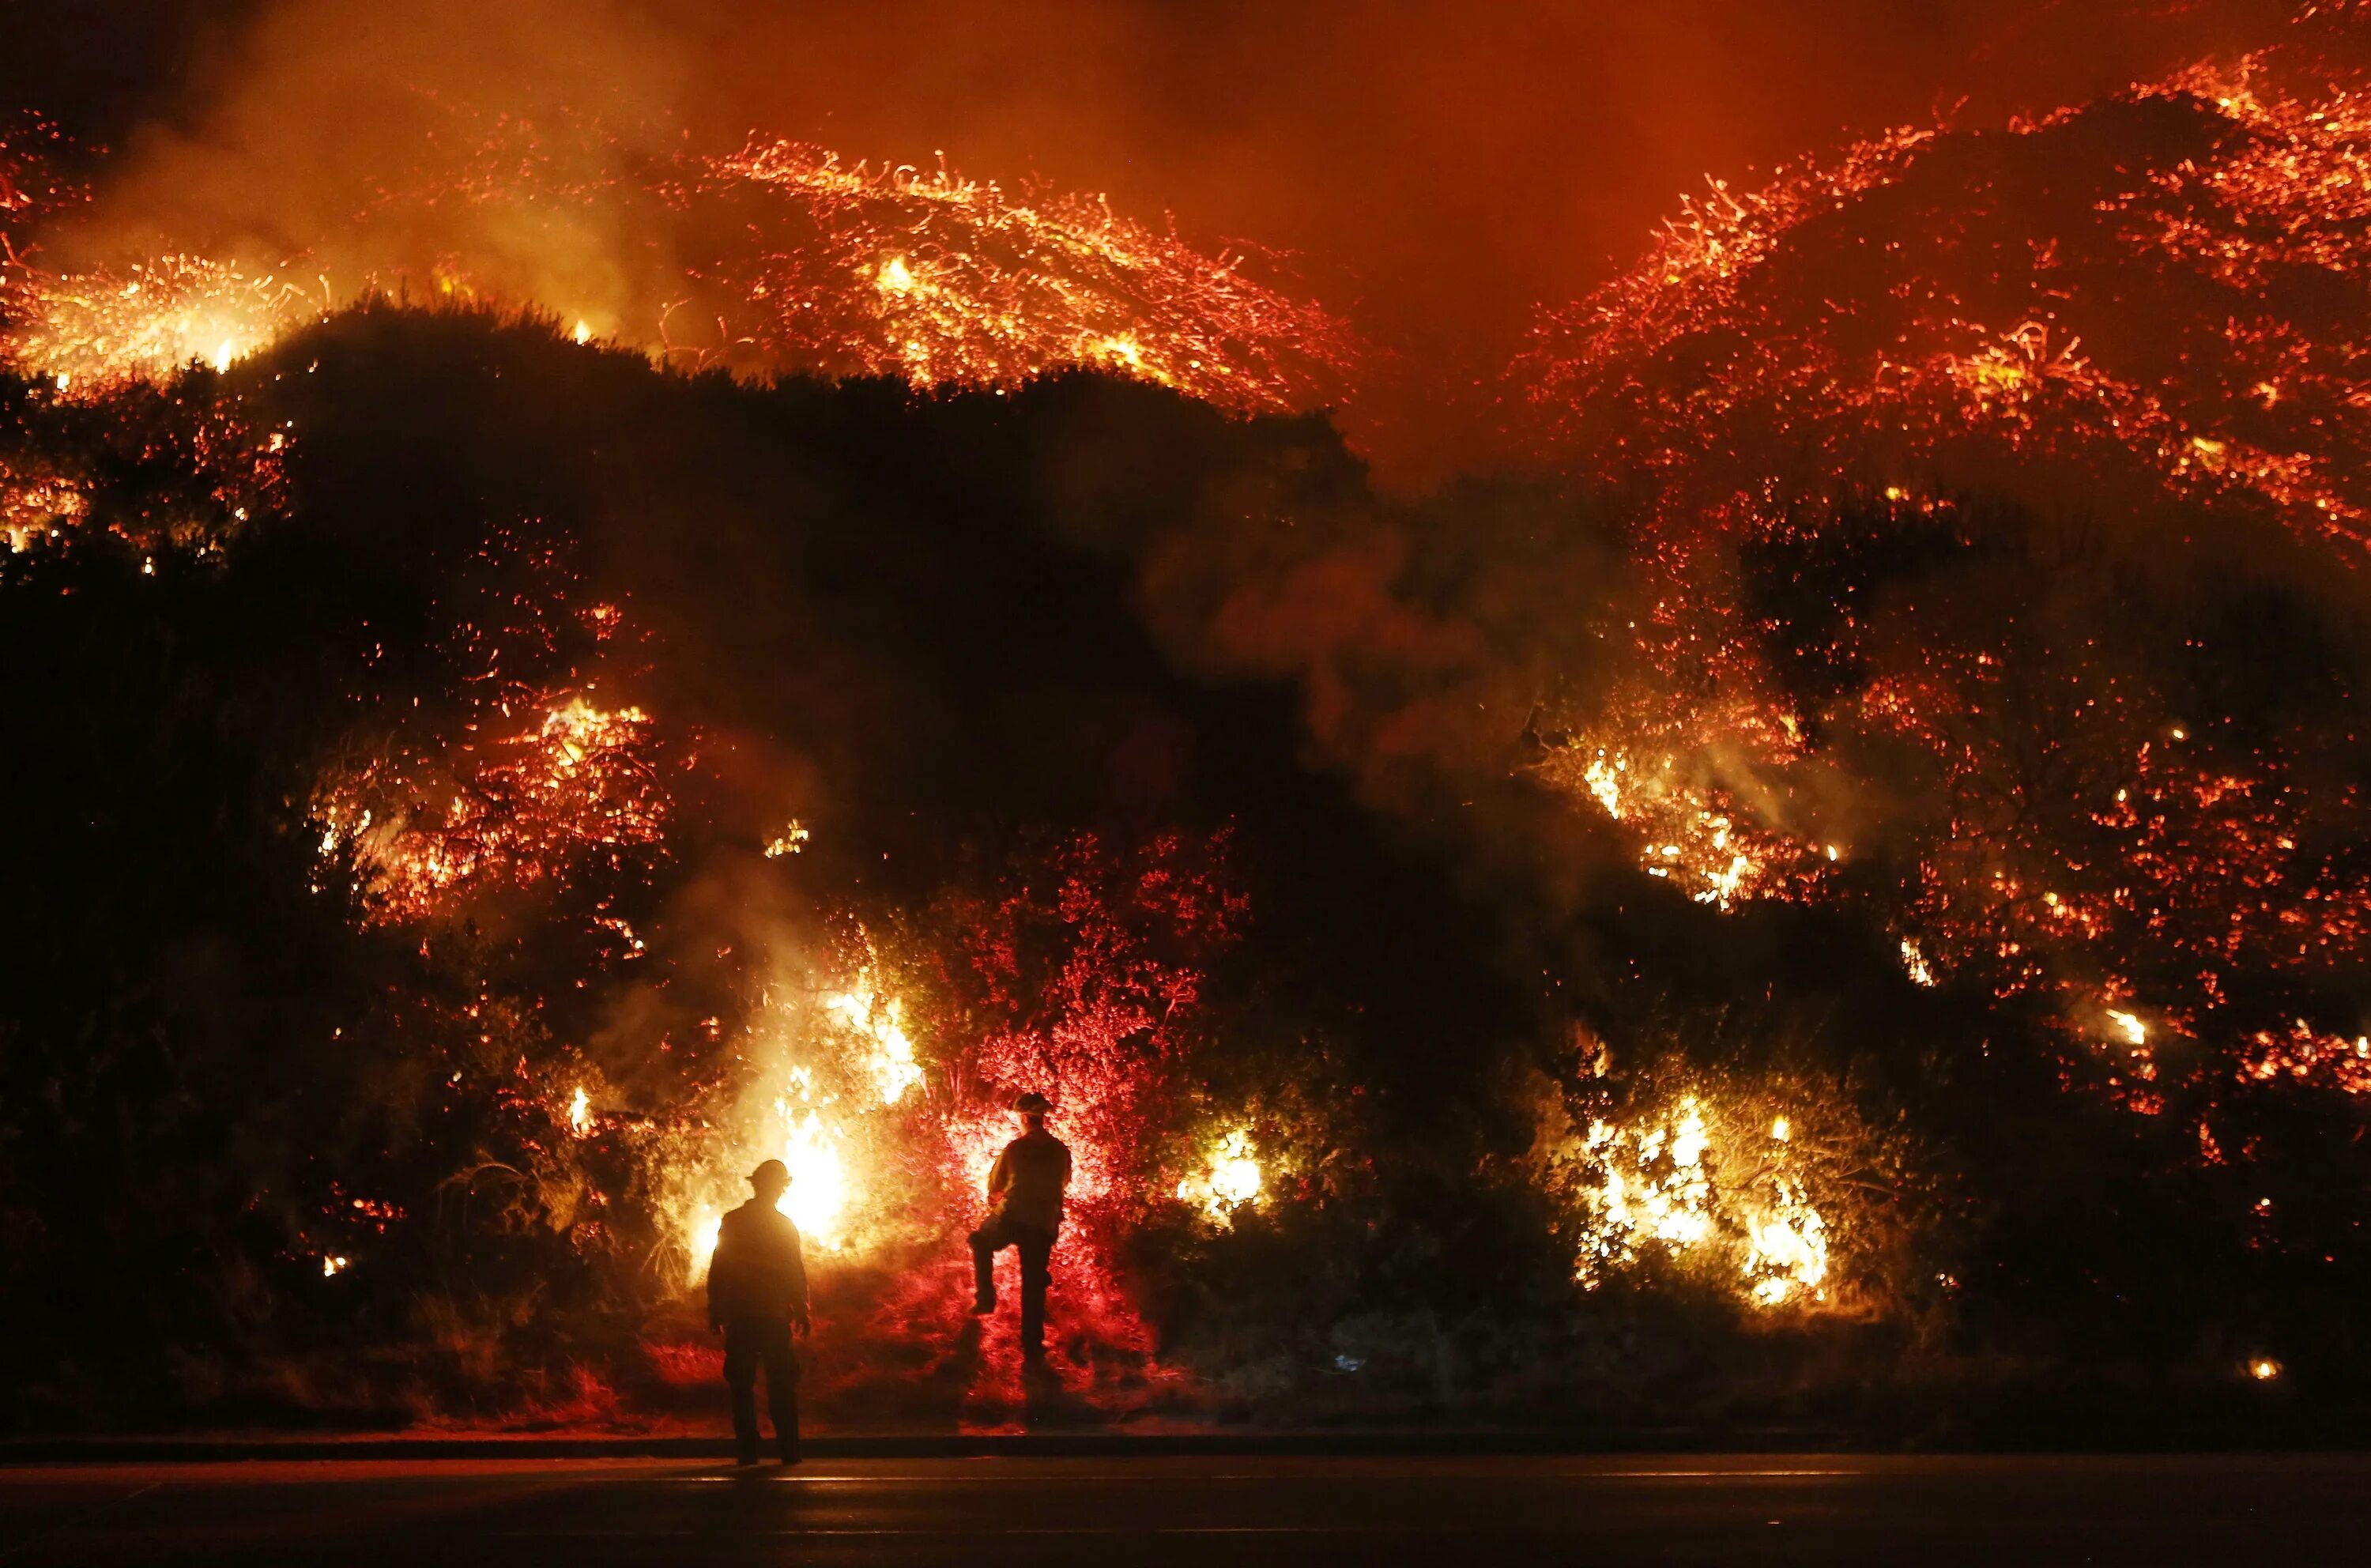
950 1446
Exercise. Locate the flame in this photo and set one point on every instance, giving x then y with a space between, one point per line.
1229 1178
580 1112
707 1223
822 1109
878 1021
1689 833
802 262
819 1190
1787 1251
1915 964
517 812
1657 1186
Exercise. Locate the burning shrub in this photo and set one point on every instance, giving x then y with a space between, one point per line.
1770 1188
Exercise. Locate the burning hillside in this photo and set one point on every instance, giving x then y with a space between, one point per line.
778 258
1850 889
2004 501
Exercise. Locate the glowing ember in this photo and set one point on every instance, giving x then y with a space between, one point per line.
515 812
2306 1054
960 282
2263 1369
93 331
31 509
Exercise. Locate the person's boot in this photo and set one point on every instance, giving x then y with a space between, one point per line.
983 1275
748 1457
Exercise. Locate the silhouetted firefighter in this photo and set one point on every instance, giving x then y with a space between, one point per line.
756 1293
1024 1199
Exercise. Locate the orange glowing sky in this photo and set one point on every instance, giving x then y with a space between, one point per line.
1438 168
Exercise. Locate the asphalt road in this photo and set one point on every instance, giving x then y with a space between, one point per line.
1135 1512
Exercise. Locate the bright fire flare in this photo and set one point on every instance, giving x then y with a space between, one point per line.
811 1148
1229 1178
878 1021
1665 1186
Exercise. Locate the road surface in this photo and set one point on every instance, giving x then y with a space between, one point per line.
1237 1512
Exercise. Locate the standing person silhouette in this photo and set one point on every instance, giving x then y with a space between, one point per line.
756 1294
1025 1204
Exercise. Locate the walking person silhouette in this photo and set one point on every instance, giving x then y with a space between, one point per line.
758 1296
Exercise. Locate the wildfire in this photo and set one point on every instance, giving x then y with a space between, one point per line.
842 1066
92 330
1668 1185
1792 436
513 813
790 260
878 1021
1229 1178
959 281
